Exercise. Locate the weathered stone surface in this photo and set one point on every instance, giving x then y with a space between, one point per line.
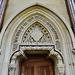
36 34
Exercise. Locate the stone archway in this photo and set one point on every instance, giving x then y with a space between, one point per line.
33 49
57 30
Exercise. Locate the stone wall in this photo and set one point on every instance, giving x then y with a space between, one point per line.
23 17
15 6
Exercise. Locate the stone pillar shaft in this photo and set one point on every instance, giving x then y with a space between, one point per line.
71 9
2 10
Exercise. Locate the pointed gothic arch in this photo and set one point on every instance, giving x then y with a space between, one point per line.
41 6
57 27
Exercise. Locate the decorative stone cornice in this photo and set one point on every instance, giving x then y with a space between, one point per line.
37 43
36 47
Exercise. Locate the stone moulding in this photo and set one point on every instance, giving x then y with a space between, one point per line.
42 47
15 21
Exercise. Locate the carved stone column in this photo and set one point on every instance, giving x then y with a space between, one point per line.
12 64
61 69
70 6
2 10
60 64
12 67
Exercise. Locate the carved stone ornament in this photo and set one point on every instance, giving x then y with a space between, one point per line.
12 69
36 47
36 33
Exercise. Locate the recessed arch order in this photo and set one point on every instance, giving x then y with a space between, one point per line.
56 25
37 8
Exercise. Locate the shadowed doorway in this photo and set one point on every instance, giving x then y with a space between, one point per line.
37 65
